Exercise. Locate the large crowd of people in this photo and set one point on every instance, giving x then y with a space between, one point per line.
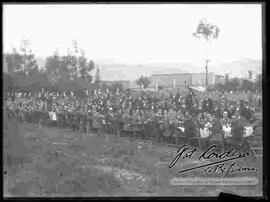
173 118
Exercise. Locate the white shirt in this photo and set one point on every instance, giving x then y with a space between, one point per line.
227 129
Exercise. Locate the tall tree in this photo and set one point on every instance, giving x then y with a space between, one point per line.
78 64
227 78
143 82
71 63
22 60
71 67
208 32
53 67
22 65
85 67
29 61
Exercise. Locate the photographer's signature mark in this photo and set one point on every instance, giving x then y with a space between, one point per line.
214 167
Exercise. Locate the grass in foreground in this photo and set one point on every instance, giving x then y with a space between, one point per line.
49 162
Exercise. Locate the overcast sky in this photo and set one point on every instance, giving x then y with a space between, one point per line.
136 34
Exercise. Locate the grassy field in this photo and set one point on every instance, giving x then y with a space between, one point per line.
41 161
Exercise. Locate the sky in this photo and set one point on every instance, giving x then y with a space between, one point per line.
138 33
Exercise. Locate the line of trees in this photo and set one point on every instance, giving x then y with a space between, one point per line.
72 71
236 84
68 72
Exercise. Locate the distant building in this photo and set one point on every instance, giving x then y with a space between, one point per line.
184 79
134 86
124 83
198 79
168 80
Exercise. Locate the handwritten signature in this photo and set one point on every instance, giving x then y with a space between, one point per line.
218 166
222 169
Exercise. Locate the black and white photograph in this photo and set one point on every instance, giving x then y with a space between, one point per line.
132 99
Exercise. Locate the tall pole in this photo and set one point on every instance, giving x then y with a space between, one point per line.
227 78
206 65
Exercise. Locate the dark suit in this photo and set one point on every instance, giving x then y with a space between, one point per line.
238 130
190 128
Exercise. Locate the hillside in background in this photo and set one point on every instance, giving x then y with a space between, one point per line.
241 67
110 70
237 68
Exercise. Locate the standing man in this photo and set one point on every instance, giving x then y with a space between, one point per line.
217 134
190 128
237 130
